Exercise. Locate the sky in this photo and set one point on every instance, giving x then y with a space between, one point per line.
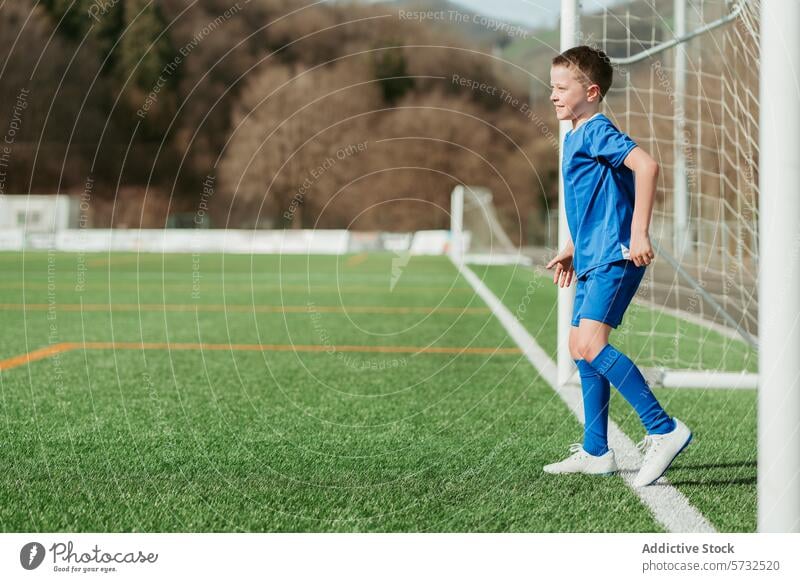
533 13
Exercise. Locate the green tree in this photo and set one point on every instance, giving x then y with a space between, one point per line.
145 48
390 69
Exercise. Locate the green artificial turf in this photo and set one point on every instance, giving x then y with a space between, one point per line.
204 439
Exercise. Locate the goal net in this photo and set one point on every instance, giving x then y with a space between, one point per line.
476 234
686 76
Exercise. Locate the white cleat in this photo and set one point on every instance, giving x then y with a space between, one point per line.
661 451
582 462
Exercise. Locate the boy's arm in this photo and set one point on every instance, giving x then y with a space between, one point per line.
645 170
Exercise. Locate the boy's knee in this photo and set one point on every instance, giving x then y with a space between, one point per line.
583 352
589 349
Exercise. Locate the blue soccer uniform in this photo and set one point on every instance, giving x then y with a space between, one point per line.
599 196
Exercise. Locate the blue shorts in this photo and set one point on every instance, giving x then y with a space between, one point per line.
604 293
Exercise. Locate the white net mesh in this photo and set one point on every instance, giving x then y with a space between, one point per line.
693 107
484 239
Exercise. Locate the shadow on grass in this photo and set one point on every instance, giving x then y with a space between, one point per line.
745 481
749 480
738 465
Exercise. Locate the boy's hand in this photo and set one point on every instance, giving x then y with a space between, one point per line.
564 272
641 249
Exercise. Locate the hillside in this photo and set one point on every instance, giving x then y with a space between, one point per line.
156 97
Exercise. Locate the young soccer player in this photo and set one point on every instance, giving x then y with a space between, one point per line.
609 186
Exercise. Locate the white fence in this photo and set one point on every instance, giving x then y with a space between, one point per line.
333 242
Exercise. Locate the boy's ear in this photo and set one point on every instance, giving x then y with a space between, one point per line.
593 92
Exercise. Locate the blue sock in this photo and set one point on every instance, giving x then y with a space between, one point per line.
623 373
596 393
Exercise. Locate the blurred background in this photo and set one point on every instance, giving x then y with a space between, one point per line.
136 105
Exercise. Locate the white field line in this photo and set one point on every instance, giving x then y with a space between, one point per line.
668 505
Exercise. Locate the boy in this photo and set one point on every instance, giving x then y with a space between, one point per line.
609 186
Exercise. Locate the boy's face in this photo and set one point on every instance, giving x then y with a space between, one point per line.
570 97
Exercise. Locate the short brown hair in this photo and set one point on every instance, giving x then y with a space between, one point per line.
593 64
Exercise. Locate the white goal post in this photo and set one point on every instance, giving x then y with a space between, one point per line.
477 235
779 278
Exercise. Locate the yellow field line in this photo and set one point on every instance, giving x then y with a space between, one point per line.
114 260
235 308
356 260
49 351
233 286
35 355
293 348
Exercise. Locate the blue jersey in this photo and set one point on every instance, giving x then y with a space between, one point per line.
599 193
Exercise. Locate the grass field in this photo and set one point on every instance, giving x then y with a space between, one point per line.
352 393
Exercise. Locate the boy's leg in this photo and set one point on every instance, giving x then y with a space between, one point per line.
616 367
595 388
593 457
596 394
